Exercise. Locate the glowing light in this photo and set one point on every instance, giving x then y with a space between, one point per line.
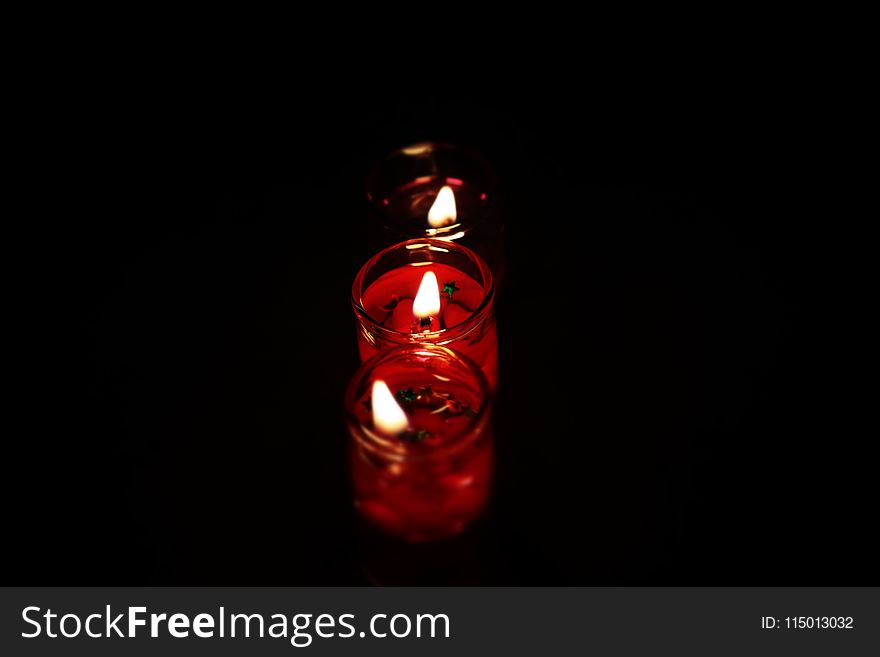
430 247
451 238
443 211
427 301
388 416
417 149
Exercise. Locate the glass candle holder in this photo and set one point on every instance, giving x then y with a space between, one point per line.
421 446
437 191
429 292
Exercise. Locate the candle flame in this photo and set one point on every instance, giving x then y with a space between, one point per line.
388 416
442 212
427 301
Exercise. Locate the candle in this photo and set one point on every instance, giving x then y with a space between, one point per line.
438 191
421 448
428 292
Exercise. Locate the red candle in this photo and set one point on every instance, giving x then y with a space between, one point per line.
421 448
428 292
437 191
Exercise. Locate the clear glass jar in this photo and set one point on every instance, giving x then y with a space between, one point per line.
403 187
433 479
385 289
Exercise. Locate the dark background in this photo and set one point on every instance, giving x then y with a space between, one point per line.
679 428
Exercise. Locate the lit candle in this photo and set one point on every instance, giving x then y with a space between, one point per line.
421 447
427 291
439 191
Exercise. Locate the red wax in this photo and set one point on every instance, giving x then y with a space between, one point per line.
389 299
431 481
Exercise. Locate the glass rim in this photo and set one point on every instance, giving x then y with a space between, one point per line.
423 146
443 336
396 450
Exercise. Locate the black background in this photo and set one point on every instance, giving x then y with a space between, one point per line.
679 428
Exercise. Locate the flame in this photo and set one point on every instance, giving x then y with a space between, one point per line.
442 212
427 301
388 416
